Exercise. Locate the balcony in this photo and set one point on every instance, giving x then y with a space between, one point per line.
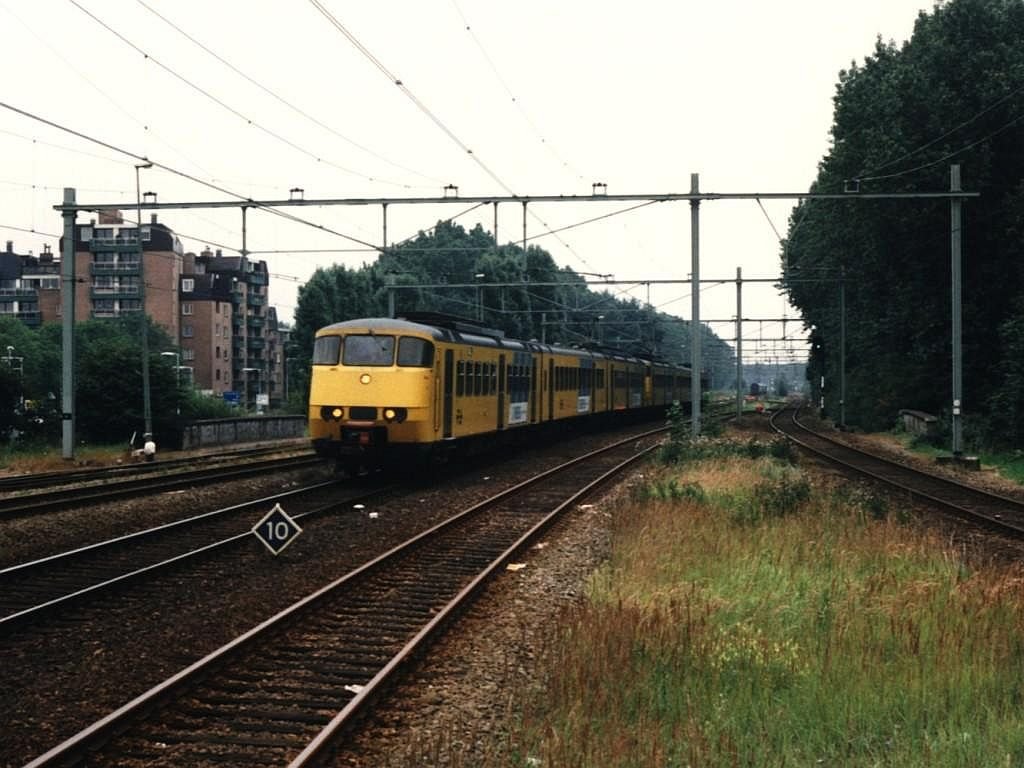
18 294
121 244
253 321
106 268
257 301
115 292
257 278
255 342
28 318
107 313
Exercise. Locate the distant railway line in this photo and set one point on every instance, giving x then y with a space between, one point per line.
993 511
96 486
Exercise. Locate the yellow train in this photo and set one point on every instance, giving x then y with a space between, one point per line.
387 391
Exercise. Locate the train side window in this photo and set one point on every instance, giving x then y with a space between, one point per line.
494 378
415 353
460 382
326 350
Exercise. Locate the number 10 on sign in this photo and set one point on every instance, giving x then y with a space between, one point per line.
276 530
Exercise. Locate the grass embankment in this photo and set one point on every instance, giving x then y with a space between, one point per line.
750 618
47 459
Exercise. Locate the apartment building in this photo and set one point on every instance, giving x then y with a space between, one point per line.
29 285
107 255
215 306
252 348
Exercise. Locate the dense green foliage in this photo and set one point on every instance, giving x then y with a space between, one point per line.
566 313
951 95
108 376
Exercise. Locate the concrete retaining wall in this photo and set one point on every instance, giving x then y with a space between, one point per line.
250 429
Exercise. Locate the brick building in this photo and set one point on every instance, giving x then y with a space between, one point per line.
215 306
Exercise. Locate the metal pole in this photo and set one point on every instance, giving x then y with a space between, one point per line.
384 216
147 413
695 306
526 277
842 347
244 250
956 247
67 291
739 341
495 225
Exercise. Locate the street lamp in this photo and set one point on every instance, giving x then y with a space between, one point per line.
479 297
177 381
259 391
147 413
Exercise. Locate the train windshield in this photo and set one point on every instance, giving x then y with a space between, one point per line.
415 353
326 350
369 350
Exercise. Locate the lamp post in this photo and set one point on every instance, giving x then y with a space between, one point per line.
147 413
479 297
177 382
258 390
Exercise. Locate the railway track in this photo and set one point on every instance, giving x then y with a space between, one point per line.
999 513
40 480
32 591
107 489
287 689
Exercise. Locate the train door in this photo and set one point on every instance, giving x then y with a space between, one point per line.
550 385
449 381
501 391
533 363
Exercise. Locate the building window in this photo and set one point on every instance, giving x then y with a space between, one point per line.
188 354
188 284
217 352
186 308
218 374
186 331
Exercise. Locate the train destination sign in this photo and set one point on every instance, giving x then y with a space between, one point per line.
276 530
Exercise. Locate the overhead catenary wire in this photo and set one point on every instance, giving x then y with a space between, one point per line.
516 101
188 176
397 81
221 103
285 102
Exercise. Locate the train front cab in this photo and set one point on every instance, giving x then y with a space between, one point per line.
371 393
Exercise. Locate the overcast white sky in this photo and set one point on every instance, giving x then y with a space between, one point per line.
550 96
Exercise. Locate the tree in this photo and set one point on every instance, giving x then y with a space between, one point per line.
900 119
109 391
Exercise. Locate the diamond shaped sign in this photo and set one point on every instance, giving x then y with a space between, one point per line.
276 530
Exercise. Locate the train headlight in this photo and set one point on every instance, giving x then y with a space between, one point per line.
332 412
365 379
395 414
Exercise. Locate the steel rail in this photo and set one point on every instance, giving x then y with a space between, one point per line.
78 746
36 569
975 504
36 480
47 501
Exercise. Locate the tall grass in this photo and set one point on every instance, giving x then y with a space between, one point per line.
754 620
